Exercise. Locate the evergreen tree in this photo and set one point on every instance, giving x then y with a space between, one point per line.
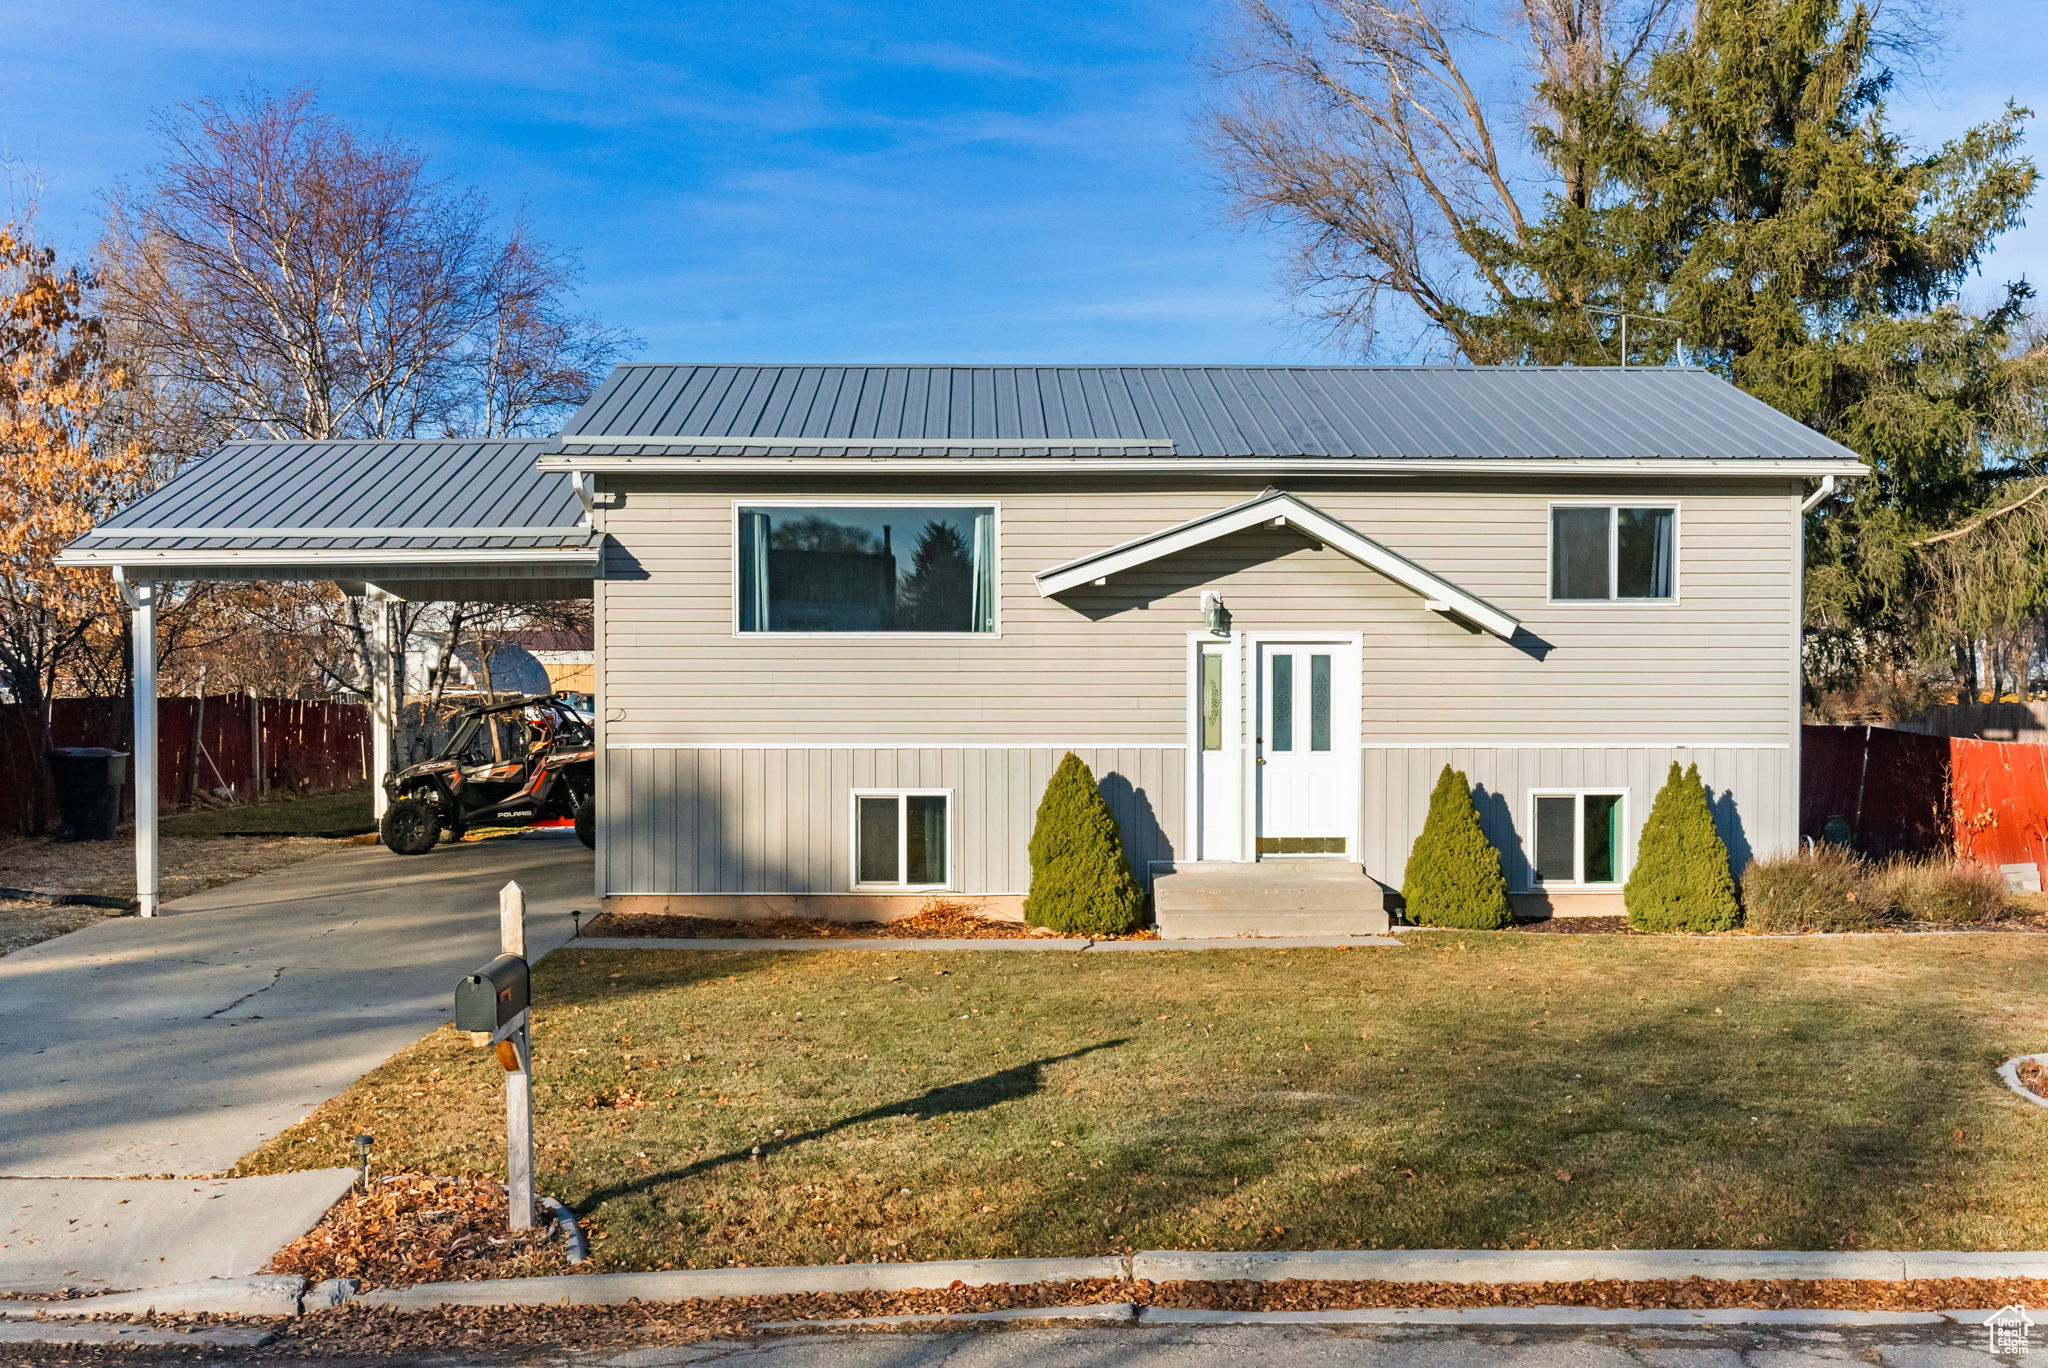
1758 202
1080 882
938 593
1681 880
1454 876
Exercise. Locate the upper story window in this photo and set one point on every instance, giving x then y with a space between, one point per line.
867 568
1600 552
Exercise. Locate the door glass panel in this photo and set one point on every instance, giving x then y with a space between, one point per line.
1319 702
925 838
1283 702
1578 553
878 840
1556 838
1212 700
1602 826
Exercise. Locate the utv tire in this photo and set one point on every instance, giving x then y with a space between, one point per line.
586 823
411 826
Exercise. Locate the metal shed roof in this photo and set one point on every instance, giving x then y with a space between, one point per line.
1176 413
440 496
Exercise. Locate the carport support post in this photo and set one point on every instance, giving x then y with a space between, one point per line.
384 686
140 596
519 1079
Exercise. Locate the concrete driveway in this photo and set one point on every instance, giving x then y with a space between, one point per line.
176 1045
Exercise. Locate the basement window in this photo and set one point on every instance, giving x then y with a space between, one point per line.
1604 552
902 839
1577 836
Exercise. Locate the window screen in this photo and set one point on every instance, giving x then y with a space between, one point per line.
1556 854
1579 553
902 839
1600 554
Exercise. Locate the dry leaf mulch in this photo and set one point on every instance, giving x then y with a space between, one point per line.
187 864
23 924
411 1228
362 1330
1617 924
942 921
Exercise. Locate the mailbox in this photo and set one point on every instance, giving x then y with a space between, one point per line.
493 997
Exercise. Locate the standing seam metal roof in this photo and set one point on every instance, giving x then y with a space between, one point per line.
412 484
1354 412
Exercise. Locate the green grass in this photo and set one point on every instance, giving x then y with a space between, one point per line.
1465 1090
317 814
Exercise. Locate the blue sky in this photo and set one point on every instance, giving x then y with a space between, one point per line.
893 180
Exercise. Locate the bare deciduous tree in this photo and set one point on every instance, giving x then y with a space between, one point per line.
289 276
1400 140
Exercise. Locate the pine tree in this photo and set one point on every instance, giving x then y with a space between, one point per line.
1454 876
1080 882
1681 880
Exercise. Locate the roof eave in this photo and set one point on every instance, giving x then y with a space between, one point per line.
1801 468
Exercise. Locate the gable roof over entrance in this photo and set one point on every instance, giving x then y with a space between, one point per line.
1280 510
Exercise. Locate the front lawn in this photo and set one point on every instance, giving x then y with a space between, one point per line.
706 1108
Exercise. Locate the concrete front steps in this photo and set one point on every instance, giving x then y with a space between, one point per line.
1274 897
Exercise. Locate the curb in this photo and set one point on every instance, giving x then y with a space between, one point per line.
89 1334
1525 1265
615 1289
1118 1312
1549 1315
264 1295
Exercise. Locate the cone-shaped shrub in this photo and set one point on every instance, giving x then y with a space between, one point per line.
1080 883
1453 876
1681 881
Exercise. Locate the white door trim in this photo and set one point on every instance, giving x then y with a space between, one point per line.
1346 726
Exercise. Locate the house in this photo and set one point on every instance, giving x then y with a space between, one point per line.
849 618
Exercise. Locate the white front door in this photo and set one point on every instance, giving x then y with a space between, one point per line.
1305 747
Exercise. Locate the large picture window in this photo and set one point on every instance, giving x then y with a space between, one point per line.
1604 552
1577 838
867 568
900 839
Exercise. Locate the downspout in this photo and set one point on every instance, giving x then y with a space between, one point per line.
1819 496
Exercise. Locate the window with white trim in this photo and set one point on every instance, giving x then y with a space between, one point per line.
1602 552
902 838
1576 837
866 568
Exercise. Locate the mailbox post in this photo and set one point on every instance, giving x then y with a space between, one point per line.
492 1005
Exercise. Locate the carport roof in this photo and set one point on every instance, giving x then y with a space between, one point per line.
449 511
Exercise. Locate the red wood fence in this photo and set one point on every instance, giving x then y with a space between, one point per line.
204 745
1903 793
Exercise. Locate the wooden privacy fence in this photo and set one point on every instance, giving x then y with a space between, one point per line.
1906 793
247 746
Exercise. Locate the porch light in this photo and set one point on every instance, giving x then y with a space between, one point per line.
1214 613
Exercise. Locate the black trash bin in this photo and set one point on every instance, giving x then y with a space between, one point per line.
89 781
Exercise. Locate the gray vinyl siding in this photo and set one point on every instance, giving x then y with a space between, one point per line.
1754 791
729 759
731 820
1104 666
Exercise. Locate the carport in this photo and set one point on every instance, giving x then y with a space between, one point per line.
386 521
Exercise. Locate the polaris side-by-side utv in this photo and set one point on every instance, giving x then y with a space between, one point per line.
510 763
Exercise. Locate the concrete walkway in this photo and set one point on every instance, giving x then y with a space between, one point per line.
175 1045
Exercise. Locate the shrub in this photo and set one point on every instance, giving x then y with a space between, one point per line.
1454 876
1080 882
1945 889
1681 880
1824 889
